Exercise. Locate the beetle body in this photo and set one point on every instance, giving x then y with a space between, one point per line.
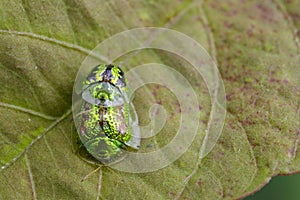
106 125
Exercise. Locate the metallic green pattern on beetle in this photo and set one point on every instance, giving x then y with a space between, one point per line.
105 119
98 144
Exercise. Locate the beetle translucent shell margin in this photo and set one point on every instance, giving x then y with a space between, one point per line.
107 123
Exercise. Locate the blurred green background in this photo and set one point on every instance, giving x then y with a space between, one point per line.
279 188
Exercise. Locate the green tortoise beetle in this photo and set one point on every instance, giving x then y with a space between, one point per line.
108 123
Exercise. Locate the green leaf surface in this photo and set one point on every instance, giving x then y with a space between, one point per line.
255 43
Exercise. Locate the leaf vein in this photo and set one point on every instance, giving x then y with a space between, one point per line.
51 152
69 21
52 125
99 185
26 82
282 9
26 14
215 102
25 110
30 177
57 42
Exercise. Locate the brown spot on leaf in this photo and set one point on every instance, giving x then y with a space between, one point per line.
199 182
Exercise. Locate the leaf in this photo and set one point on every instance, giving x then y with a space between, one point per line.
43 43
